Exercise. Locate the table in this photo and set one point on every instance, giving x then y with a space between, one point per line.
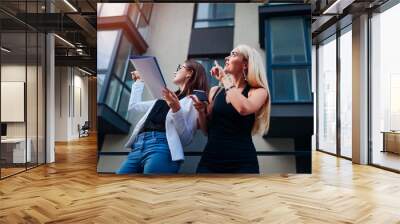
391 141
13 150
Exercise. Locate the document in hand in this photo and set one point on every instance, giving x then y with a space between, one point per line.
150 73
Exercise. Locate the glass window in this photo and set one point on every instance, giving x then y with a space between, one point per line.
114 9
282 80
123 105
385 88
327 96
114 93
128 76
106 40
117 89
288 44
224 11
291 85
32 100
121 60
346 94
288 59
14 67
204 11
41 99
100 83
214 15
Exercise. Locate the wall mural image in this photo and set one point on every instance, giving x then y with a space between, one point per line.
226 88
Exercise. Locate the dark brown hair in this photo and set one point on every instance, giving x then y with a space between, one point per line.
198 80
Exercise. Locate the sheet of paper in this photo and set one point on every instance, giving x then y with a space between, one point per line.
150 73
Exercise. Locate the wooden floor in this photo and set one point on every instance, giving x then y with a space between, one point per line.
70 191
387 159
10 171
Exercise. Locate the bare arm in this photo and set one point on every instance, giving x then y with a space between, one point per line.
204 110
247 105
244 105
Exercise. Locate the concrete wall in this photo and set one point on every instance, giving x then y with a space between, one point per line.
169 36
247 26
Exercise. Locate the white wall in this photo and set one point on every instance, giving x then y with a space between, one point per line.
169 35
247 25
61 103
69 85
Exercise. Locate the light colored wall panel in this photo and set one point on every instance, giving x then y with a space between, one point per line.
170 44
12 101
71 102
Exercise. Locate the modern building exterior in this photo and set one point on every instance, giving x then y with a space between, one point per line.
357 77
48 84
206 32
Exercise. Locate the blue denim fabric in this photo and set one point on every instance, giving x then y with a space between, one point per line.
150 155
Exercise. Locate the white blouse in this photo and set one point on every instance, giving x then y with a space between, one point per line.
180 127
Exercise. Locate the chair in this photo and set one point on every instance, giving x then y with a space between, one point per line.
84 130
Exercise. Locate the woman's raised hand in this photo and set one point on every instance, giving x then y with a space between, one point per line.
135 75
217 71
171 99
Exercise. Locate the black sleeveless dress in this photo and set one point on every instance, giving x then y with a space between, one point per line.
230 147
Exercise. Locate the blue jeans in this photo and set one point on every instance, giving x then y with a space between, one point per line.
150 155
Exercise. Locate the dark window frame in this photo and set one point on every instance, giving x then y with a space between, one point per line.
214 19
271 66
109 73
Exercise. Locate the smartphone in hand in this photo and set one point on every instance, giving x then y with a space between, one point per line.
201 95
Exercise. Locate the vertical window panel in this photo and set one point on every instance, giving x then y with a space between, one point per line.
327 96
346 94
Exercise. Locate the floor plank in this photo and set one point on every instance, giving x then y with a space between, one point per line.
70 191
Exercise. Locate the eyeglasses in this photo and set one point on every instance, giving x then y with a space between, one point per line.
180 66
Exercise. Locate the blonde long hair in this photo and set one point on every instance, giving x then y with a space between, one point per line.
256 78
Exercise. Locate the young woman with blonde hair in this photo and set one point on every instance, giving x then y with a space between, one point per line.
238 110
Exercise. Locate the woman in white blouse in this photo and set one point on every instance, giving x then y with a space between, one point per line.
158 138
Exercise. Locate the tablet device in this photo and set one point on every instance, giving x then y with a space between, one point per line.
150 73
